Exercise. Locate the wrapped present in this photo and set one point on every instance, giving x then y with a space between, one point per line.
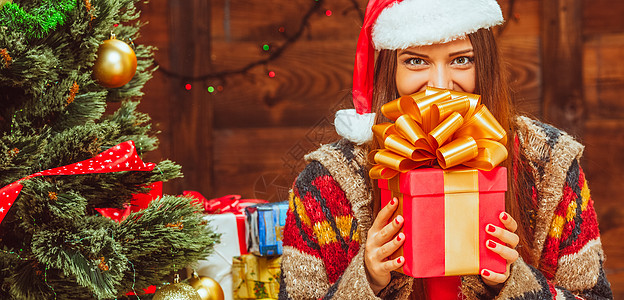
439 159
218 265
446 213
228 204
226 216
255 277
265 226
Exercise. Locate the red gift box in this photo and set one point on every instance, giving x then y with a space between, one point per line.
446 212
228 204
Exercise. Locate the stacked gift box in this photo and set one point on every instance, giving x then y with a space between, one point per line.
246 262
256 275
265 224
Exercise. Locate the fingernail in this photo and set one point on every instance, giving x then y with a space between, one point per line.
400 237
398 219
485 273
400 260
491 244
491 228
392 201
504 216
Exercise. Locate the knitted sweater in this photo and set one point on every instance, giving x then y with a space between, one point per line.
330 214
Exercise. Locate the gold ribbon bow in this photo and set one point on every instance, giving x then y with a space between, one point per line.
449 128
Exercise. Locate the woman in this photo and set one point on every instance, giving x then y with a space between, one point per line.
335 247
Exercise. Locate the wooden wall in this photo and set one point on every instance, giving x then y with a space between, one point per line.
603 125
566 60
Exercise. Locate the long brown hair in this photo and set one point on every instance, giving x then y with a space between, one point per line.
492 85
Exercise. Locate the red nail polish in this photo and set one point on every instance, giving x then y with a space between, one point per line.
399 238
392 201
491 244
486 273
504 217
399 260
491 228
398 220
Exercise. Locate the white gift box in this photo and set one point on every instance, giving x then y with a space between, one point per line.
218 265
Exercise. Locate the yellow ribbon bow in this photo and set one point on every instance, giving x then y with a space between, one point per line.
449 128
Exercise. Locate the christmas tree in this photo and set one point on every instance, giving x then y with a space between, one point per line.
53 242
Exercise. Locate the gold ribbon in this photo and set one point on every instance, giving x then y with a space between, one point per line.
437 126
461 222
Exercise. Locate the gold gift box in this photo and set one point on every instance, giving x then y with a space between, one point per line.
255 277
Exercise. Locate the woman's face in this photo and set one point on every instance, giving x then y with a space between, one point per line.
448 66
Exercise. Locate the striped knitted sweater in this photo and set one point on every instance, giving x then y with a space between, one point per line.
330 214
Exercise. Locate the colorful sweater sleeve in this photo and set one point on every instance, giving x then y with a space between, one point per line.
571 264
323 257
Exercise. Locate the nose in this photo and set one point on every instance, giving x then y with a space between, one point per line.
440 77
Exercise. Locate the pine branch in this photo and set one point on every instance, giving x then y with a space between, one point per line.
52 115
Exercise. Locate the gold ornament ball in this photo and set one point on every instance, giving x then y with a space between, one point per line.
207 288
176 291
115 65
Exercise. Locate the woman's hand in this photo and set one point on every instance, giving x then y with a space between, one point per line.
381 242
506 250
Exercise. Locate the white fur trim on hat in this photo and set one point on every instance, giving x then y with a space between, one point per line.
424 22
353 126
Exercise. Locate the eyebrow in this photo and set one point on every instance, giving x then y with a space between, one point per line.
408 52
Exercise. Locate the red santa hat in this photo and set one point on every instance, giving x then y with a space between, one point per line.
399 24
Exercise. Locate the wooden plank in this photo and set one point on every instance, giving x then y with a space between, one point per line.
602 16
190 132
561 65
603 79
523 19
521 55
614 265
602 162
155 17
260 20
263 162
311 79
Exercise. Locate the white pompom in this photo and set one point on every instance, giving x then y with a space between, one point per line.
353 126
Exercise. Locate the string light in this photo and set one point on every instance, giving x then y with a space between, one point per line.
15 253
161 172
211 89
112 233
133 279
46 280
274 53
15 116
188 86
328 13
